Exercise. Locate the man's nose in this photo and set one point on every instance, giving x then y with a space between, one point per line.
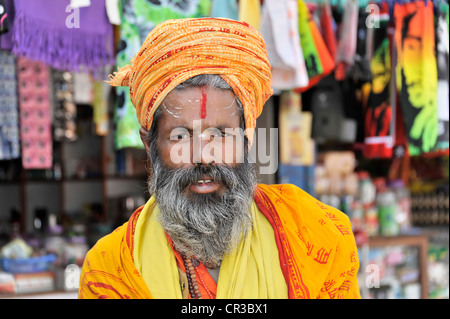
200 153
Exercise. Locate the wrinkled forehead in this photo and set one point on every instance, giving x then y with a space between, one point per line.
200 103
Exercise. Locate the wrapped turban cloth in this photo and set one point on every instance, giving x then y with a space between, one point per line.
179 49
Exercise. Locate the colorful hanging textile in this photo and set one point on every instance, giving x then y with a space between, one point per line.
280 33
310 51
319 62
442 49
65 110
416 74
82 88
63 37
347 39
377 107
35 121
225 9
4 20
8 18
250 12
328 26
138 18
100 104
9 111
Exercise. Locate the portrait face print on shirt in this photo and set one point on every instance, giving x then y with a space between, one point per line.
417 75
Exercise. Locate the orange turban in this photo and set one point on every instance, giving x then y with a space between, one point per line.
179 49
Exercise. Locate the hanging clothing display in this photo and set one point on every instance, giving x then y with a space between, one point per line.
416 73
280 33
9 115
65 110
82 88
100 104
250 12
306 41
310 51
442 50
319 62
138 19
35 120
225 9
377 107
347 40
328 27
6 19
65 38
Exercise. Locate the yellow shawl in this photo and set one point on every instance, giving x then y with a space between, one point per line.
251 271
316 251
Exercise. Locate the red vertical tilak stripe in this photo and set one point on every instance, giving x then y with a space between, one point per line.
203 105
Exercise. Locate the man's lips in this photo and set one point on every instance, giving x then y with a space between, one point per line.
204 185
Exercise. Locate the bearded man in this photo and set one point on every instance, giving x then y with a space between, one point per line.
209 229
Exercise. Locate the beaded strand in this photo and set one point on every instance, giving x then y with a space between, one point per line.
190 265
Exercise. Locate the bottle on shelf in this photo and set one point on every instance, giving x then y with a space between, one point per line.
387 209
403 205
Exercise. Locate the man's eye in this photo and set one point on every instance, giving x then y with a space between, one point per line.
221 134
178 137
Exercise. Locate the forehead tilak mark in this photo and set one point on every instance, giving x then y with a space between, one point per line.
170 112
203 104
202 110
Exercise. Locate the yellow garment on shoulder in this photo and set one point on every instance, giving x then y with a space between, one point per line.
316 253
251 271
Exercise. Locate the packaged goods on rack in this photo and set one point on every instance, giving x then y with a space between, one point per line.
37 263
373 205
438 262
7 283
399 272
430 208
23 270
27 265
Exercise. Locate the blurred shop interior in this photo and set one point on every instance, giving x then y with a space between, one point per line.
361 105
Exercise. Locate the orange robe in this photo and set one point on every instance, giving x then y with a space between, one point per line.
317 251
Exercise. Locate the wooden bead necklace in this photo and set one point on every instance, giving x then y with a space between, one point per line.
190 265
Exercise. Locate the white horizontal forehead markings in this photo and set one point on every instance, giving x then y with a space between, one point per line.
179 108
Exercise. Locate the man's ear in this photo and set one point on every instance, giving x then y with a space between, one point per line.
144 138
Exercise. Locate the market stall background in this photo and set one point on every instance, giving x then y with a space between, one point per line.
360 106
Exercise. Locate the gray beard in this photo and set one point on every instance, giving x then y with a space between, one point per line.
205 226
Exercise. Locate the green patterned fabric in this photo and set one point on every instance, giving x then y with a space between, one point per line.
139 17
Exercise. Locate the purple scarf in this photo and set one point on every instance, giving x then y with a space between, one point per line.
49 31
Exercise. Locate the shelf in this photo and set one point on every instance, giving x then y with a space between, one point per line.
11 182
73 179
82 180
51 294
125 177
406 240
30 181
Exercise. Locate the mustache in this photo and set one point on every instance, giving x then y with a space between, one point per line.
205 225
184 177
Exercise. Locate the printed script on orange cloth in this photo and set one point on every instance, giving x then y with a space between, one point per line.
317 251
